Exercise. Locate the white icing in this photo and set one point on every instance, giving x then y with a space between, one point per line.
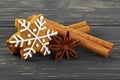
34 30
43 40
29 35
23 24
37 45
31 41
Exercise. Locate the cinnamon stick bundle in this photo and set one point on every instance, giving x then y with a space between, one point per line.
99 46
81 26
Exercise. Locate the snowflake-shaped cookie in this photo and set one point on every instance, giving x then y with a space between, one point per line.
32 36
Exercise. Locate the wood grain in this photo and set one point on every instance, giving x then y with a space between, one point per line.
104 19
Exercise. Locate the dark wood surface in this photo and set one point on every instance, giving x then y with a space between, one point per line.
104 19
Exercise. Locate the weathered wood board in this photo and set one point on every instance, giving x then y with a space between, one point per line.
104 19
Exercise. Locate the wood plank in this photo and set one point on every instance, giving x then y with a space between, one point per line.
96 12
87 66
104 19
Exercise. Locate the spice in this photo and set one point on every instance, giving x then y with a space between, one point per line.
64 46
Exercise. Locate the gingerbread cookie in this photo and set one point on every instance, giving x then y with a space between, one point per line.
32 36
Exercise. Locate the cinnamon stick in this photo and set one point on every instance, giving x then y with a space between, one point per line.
99 46
81 26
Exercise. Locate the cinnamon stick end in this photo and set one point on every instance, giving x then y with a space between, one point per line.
13 50
109 52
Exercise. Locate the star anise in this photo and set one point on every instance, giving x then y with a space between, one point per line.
64 46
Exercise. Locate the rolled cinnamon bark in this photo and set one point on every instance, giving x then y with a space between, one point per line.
99 46
81 26
12 48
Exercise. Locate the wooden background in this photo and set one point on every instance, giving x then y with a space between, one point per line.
104 19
